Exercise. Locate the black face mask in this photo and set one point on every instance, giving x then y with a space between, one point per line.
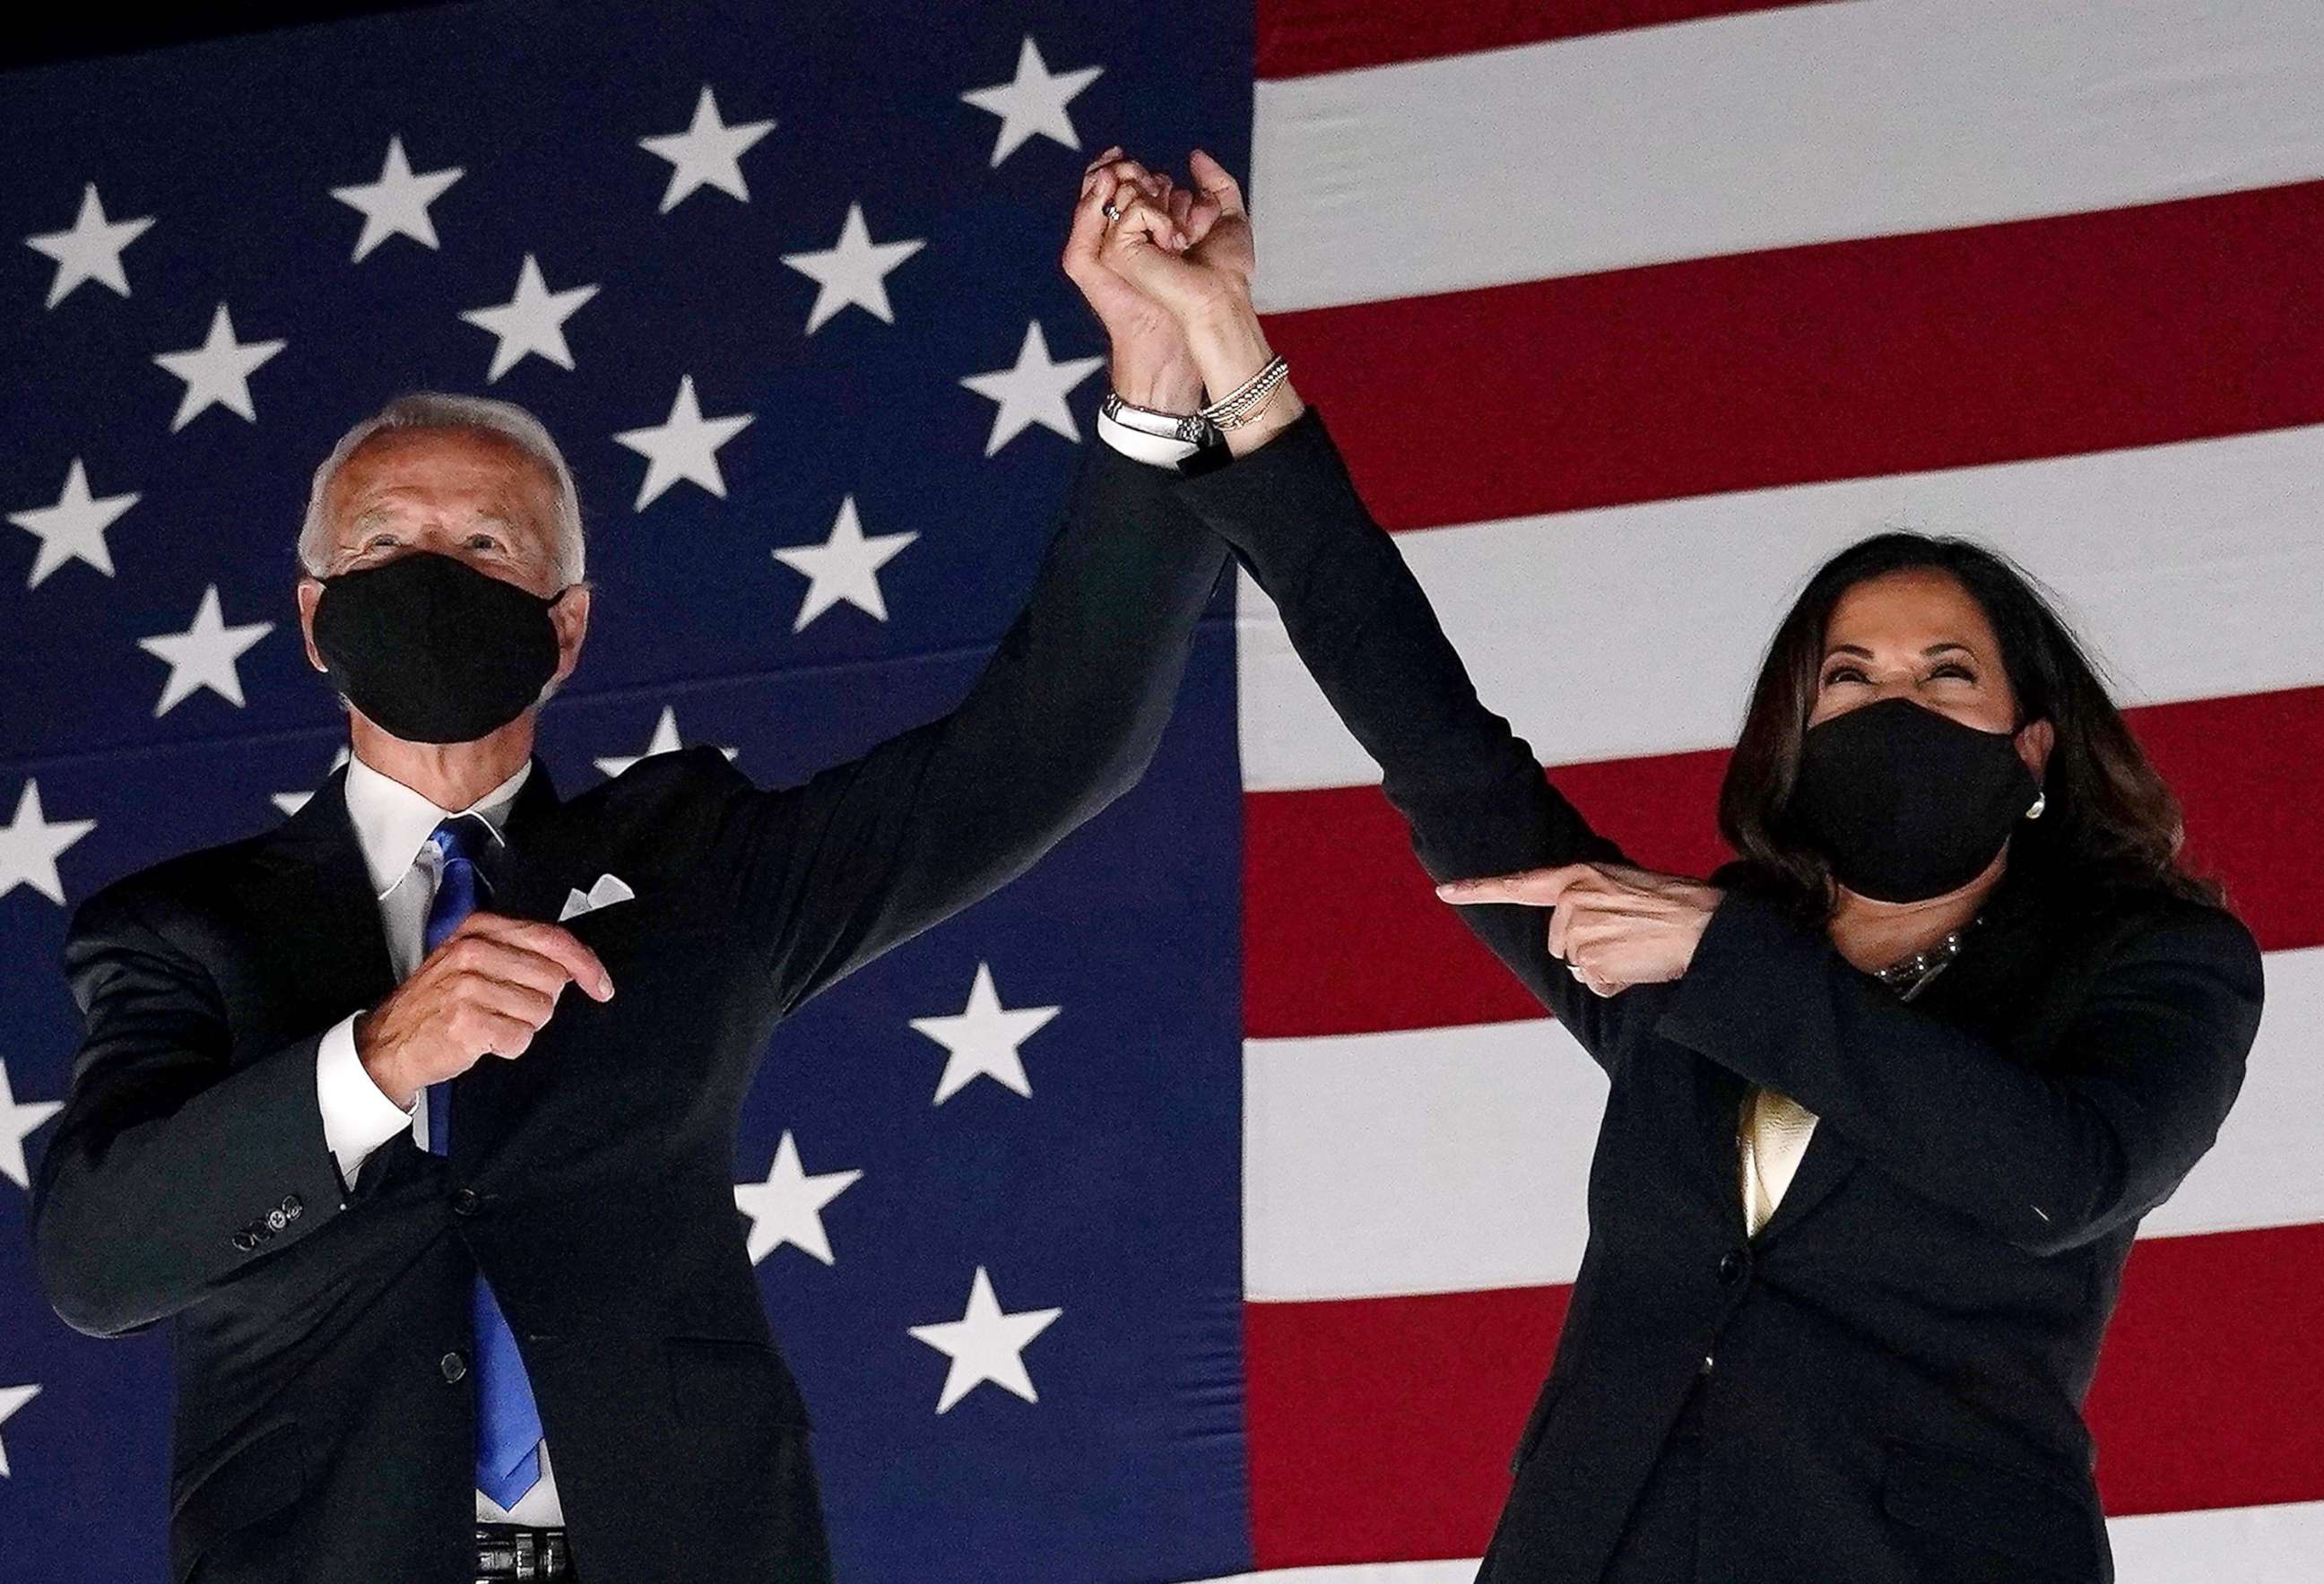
1907 804
433 649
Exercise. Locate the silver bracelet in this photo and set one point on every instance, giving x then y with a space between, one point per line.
1238 407
1191 428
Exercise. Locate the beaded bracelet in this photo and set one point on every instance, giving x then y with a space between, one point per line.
1241 406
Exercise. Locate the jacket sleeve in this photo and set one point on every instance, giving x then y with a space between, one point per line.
1063 719
2047 1159
1471 789
171 1169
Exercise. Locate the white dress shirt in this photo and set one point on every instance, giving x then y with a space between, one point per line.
392 823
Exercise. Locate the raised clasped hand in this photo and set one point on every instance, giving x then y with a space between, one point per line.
1148 255
1613 926
1191 253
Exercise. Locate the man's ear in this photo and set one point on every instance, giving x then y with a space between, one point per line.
570 616
309 591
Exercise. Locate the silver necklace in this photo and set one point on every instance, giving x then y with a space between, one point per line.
1911 976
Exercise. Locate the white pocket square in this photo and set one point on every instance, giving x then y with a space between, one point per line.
608 890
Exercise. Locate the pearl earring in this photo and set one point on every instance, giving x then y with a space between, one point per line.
2041 802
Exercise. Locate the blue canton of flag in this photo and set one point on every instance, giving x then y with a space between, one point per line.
783 282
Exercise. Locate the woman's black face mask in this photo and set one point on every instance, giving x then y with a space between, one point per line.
433 649
1907 804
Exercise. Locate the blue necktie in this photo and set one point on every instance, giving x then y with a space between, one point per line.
508 1421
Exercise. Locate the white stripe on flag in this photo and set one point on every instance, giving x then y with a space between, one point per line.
1449 1160
2193 569
1768 129
2250 1546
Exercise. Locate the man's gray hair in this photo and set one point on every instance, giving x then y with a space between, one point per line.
438 409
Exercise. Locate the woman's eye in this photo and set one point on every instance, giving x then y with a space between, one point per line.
1954 668
1839 674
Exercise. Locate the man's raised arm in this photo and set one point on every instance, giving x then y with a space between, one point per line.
1063 720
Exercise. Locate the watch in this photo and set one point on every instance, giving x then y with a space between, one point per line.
1190 429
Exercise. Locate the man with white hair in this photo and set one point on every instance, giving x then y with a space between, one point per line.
402 1277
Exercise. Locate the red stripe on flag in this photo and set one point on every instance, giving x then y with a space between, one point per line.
1380 1428
2048 337
2207 1392
1304 37
1343 935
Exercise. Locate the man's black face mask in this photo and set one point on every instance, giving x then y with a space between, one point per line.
433 649
1905 803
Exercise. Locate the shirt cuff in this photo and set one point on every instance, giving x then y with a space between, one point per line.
357 1119
1158 450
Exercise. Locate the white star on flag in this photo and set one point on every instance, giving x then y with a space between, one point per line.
531 321
72 528
11 1399
18 1119
844 566
30 844
396 204
665 740
1034 391
204 654
89 249
788 1207
986 1345
708 153
683 446
853 271
217 372
293 802
983 1038
1034 102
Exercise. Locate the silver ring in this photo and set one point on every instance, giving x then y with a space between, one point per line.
1110 211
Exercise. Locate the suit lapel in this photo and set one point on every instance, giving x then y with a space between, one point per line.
1824 1166
516 867
313 873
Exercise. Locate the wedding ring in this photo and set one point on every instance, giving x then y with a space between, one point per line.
1110 212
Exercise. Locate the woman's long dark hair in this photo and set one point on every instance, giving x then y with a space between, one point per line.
2109 821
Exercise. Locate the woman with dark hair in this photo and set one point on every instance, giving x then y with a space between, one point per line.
1890 1093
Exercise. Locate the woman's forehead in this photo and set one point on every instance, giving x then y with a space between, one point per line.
1915 607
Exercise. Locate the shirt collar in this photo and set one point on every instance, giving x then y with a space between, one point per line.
392 823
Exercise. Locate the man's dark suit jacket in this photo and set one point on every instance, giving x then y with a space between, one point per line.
1891 1372
322 1431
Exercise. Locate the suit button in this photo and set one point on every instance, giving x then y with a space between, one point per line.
244 1241
292 1206
465 1202
453 1366
1730 1265
278 1219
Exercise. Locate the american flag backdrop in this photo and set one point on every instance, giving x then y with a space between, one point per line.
1246 1185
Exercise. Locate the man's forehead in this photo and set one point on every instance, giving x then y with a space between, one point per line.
424 467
